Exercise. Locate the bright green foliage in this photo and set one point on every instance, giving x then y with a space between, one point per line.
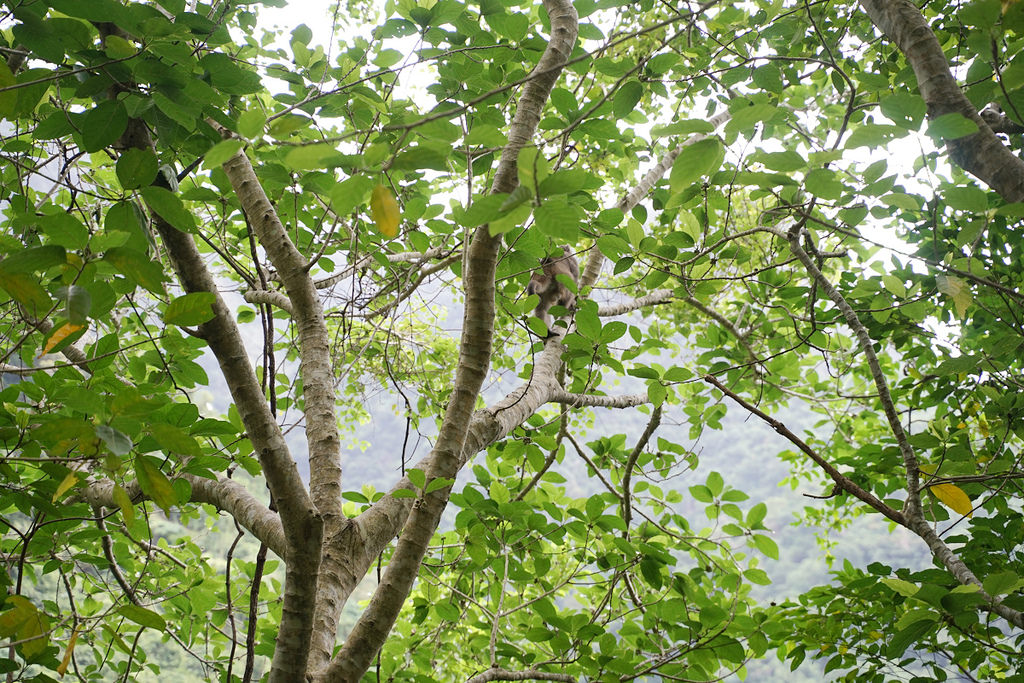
569 546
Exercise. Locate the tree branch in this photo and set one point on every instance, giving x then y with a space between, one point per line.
498 674
981 153
447 456
838 477
224 494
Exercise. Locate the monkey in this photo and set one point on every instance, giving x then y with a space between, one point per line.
545 284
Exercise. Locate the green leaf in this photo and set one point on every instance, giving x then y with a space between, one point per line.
758 576
190 309
612 331
499 493
167 205
154 483
757 515
951 127
447 611
77 303
745 117
981 13
483 210
696 160
559 219
905 109
518 197
136 168
8 98
174 440
966 198
567 181
117 442
420 157
894 285
903 639
532 167
180 110
137 267
143 617
917 614
824 183
684 127
1002 583
650 569
251 123
768 78
766 545
26 290
701 493
588 325
785 162
902 587
715 484
626 99
872 135
350 193
221 152
103 125
438 483
34 259
487 135
309 157
228 77
416 477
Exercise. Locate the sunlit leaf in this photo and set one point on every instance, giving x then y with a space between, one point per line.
957 290
65 485
953 497
221 152
190 309
60 334
385 211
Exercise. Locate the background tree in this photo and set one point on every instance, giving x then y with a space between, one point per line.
184 190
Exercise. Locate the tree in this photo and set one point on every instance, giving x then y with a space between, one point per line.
176 179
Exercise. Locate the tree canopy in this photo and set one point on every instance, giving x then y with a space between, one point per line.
220 240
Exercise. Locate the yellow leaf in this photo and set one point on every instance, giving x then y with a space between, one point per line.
154 483
953 497
68 482
59 335
957 290
25 623
124 501
385 211
68 652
